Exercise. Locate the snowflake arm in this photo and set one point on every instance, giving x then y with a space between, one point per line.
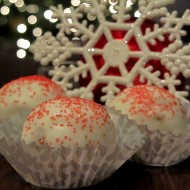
110 91
174 25
152 79
49 49
145 6
177 59
70 21
122 12
171 82
118 51
65 74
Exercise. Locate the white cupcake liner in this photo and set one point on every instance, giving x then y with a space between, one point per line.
165 149
60 167
127 130
14 124
159 149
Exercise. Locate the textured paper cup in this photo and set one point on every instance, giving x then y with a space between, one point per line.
127 129
165 149
13 124
60 167
159 149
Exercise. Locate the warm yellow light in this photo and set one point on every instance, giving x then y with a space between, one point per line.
5 10
67 10
21 53
75 2
23 43
32 8
22 9
12 1
32 19
21 28
19 3
37 32
48 14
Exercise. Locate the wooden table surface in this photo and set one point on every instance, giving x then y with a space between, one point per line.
130 176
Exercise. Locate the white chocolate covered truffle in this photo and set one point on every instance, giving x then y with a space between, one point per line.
69 121
152 106
25 93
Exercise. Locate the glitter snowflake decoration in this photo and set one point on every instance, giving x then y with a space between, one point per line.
117 51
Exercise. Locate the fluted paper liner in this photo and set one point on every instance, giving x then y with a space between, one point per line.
61 167
160 149
163 149
13 123
127 130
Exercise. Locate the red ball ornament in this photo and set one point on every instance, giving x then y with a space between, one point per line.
133 46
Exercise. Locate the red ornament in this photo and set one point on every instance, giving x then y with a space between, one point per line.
133 46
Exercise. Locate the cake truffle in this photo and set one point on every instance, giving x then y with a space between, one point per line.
65 121
25 93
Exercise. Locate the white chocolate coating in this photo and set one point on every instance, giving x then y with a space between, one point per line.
24 93
152 106
69 121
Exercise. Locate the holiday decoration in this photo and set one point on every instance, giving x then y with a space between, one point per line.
118 51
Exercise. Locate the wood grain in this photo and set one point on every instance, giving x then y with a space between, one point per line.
130 176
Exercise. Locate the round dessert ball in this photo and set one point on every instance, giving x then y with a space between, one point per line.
161 118
68 121
154 107
25 93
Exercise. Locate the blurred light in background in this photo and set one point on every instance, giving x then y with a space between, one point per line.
23 43
32 8
12 1
37 32
5 10
19 3
21 53
22 9
75 3
21 28
32 19
48 15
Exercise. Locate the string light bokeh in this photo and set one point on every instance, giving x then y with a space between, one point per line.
29 19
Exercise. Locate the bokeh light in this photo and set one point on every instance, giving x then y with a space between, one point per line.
5 10
19 3
23 43
21 53
12 1
75 2
32 19
32 8
37 32
21 28
48 14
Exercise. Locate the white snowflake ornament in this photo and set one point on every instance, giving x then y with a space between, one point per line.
116 52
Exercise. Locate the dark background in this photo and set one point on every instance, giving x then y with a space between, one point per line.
12 67
130 176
